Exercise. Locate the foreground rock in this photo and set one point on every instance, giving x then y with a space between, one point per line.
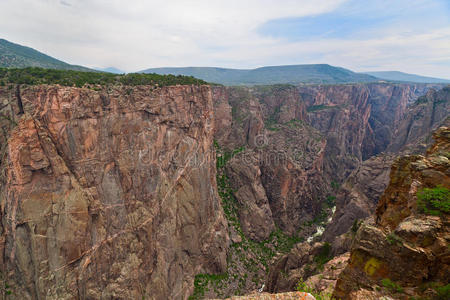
110 193
404 251
280 296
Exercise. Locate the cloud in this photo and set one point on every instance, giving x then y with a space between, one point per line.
134 35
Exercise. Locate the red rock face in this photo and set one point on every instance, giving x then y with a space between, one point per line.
278 178
405 244
359 120
110 194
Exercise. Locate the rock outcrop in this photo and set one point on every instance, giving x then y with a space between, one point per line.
109 193
403 252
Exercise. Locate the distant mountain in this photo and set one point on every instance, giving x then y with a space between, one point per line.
400 76
293 74
111 70
18 56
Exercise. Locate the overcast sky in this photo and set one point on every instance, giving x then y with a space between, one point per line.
364 35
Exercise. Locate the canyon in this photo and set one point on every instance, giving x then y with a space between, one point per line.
127 192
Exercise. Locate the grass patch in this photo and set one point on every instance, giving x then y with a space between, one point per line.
434 201
391 286
393 239
203 281
303 287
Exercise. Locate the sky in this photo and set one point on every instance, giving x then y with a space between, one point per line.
363 35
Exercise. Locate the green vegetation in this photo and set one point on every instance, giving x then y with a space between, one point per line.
203 281
33 76
303 287
17 56
356 224
6 290
280 75
393 239
334 185
434 201
441 291
391 286
294 123
252 256
319 107
272 120
421 100
330 201
323 256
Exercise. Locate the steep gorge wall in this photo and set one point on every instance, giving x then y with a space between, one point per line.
360 192
110 193
403 251
278 177
359 120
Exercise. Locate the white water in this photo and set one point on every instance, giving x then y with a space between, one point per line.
321 229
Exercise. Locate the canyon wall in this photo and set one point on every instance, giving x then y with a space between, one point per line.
359 194
112 192
403 251
109 193
278 175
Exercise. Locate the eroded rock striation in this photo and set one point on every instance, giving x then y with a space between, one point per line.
109 193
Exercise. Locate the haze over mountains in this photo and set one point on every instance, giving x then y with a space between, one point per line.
320 73
400 76
17 56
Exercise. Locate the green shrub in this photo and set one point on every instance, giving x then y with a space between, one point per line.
303 287
443 292
323 256
33 76
331 201
393 239
434 201
391 286
318 107
356 225
334 185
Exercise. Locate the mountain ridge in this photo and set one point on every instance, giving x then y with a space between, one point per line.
17 56
406 77
286 74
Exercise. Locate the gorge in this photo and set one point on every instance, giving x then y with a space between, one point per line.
205 191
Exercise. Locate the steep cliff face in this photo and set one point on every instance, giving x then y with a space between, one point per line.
358 197
425 115
359 120
278 177
404 252
341 112
361 191
109 193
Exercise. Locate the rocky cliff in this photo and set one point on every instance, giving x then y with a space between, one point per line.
278 176
403 252
359 120
359 194
124 192
108 193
